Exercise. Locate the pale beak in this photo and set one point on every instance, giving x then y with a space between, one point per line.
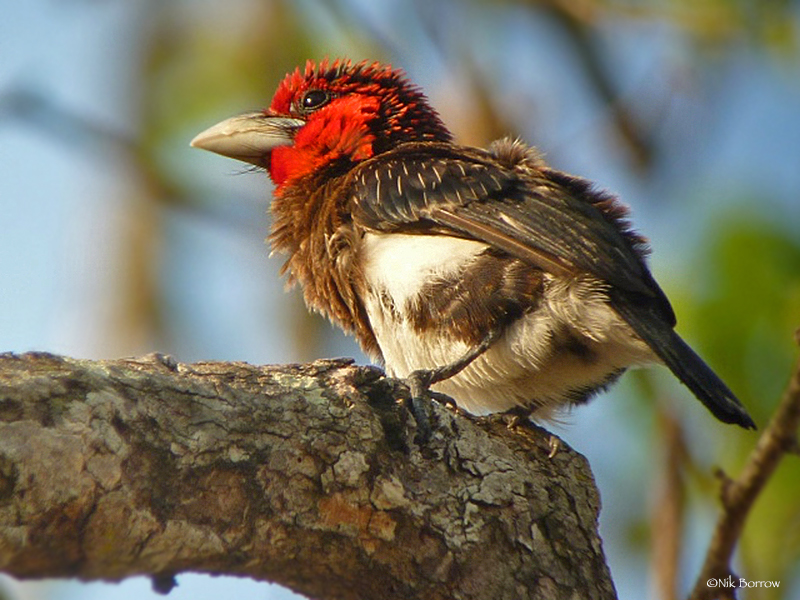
249 137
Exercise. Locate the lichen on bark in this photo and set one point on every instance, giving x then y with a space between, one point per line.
305 475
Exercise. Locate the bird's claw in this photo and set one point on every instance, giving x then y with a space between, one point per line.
419 383
418 409
444 400
553 443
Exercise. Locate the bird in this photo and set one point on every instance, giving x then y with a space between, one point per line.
483 275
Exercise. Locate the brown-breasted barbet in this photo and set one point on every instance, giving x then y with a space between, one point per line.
485 275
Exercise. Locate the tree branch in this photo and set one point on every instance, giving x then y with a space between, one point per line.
305 475
738 495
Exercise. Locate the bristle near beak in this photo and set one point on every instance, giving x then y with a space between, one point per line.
249 137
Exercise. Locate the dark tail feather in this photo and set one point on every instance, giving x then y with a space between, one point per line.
685 364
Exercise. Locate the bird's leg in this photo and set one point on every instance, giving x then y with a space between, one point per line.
421 380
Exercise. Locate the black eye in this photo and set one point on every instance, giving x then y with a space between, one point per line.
313 99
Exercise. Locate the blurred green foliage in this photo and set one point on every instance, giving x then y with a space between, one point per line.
745 314
748 304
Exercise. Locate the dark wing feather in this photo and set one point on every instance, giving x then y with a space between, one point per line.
400 188
542 216
683 361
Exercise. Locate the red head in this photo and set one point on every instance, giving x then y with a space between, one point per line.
328 117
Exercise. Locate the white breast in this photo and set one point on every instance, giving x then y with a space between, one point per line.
526 363
400 264
396 267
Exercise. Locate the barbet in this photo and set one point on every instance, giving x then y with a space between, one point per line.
485 275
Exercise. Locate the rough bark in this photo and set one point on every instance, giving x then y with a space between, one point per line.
305 475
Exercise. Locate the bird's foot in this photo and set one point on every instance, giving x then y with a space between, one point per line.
521 417
419 383
444 400
418 403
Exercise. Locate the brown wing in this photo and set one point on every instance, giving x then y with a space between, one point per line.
549 219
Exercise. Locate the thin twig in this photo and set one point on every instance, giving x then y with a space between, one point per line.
738 495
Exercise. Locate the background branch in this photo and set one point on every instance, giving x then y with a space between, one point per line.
306 475
738 496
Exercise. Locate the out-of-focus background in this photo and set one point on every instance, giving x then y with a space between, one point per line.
118 239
